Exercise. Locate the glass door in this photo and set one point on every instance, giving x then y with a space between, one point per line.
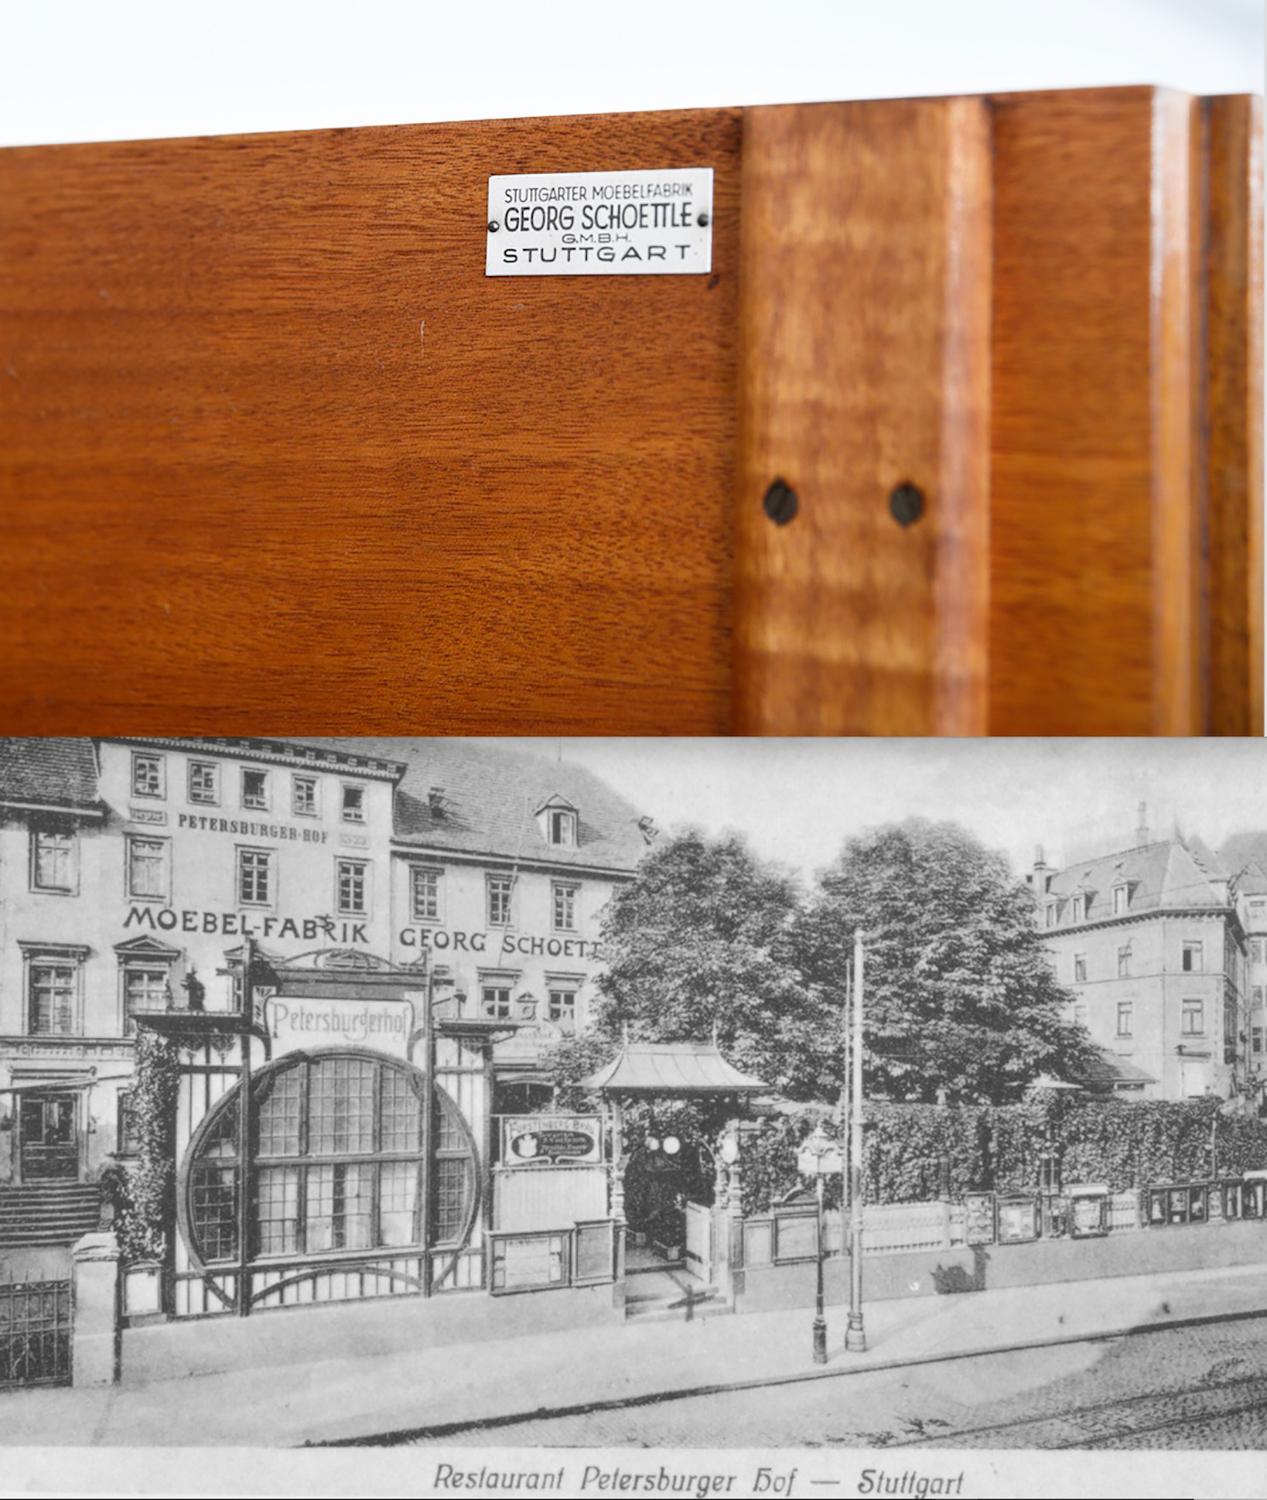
49 1139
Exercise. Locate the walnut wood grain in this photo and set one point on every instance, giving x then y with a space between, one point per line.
274 452
1228 359
865 336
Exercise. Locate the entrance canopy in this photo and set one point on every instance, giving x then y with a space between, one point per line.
660 1069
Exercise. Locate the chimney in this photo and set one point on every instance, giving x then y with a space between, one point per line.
435 801
1141 833
1038 878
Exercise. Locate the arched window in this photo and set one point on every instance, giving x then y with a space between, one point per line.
338 1163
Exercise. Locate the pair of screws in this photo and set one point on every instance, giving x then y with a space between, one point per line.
906 503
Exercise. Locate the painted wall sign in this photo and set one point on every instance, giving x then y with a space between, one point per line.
384 1025
251 828
649 223
551 1139
497 944
344 934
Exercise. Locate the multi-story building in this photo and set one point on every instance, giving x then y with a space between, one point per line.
132 870
1251 892
1151 941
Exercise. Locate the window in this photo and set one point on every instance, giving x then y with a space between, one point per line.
1125 1017
565 906
1124 962
1121 897
144 989
1051 914
1256 1038
495 996
255 877
339 1163
562 1005
54 860
1076 908
254 789
204 782
1258 993
424 894
129 1140
1080 1015
352 882
1192 958
1194 1018
1079 968
148 775
562 827
53 997
353 803
303 796
500 892
148 872
1258 951
1230 1030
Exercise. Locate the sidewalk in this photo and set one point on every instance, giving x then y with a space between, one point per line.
346 1398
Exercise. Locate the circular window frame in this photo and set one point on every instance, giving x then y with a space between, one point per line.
262 1079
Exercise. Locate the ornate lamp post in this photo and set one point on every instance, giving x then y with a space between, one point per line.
819 1155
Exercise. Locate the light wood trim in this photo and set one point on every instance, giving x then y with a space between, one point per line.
864 330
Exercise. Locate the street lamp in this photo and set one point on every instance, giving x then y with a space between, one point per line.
855 1334
819 1155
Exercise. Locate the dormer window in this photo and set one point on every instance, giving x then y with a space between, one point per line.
1121 898
557 820
1077 907
1051 914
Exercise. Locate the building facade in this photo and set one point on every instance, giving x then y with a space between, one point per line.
421 921
1152 943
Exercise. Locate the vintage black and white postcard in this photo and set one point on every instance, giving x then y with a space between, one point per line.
615 1118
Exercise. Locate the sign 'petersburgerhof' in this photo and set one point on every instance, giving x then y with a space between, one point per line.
646 223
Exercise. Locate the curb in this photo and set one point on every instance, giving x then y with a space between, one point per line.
683 1393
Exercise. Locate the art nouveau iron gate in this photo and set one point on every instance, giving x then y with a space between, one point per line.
35 1322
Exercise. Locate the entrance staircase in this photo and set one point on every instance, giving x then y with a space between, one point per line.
47 1213
670 1294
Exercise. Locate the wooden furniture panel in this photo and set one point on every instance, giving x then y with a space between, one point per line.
276 455
276 452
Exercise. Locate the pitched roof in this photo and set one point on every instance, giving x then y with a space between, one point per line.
671 1068
1252 881
59 772
1107 1072
1248 847
490 795
1159 875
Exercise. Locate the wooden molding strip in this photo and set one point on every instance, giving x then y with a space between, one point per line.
1228 359
864 337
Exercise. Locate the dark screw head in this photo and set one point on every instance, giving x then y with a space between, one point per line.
780 502
906 504
702 221
493 226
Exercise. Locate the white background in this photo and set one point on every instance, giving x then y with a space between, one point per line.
83 70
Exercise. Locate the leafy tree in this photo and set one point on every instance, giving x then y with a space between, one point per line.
961 1001
700 941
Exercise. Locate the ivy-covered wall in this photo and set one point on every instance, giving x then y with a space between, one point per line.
914 1153
143 1192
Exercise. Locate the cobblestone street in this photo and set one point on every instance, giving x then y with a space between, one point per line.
1196 1387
